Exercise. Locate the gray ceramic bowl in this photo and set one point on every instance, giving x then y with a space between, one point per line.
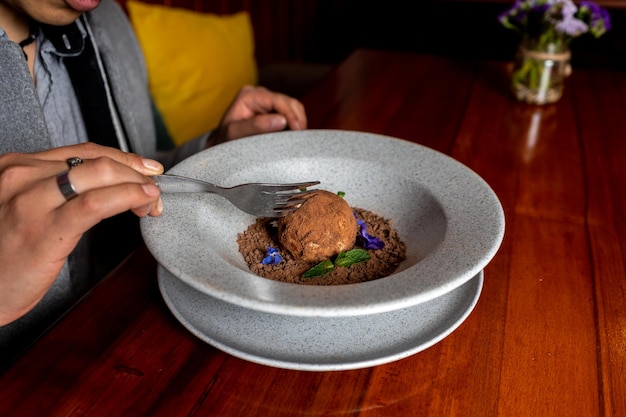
450 219
318 343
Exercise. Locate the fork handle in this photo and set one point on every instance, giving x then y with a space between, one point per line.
177 184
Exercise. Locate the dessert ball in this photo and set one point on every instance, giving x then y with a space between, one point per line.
322 227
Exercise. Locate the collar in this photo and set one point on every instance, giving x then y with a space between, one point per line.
64 41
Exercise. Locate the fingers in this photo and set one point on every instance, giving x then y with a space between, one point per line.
259 110
22 174
40 222
264 101
89 208
264 123
19 172
62 221
102 166
90 150
292 110
93 175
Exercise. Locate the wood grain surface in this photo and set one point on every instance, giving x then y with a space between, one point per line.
547 338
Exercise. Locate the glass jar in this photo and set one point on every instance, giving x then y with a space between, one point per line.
540 70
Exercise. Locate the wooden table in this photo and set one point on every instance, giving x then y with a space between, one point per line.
547 338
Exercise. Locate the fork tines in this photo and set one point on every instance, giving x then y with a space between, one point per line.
288 187
292 199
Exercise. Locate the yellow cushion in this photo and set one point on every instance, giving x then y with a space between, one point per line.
197 62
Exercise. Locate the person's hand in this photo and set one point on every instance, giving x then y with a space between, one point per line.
258 110
39 226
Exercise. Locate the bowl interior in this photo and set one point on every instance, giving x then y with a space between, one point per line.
414 210
448 217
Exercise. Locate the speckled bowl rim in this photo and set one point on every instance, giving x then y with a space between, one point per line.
473 215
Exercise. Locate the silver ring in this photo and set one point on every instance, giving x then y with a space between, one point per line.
66 187
73 161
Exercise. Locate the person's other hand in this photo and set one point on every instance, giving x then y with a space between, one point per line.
39 227
258 110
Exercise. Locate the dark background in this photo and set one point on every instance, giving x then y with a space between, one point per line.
452 28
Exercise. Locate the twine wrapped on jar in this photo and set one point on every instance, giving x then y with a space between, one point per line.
539 72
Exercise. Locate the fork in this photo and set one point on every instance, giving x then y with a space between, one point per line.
258 199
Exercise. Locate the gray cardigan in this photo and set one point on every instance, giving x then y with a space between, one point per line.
22 129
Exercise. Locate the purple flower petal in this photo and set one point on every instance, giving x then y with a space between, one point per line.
572 27
554 21
273 257
365 240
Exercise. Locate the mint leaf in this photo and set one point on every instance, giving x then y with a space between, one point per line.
344 259
319 269
352 257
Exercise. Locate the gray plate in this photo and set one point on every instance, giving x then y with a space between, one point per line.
449 218
318 343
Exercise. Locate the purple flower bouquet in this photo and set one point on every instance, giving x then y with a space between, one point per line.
547 28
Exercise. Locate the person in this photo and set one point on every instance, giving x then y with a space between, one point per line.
77 149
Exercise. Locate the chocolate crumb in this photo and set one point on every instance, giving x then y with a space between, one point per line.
253 244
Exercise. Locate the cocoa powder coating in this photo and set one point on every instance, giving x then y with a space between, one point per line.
322 227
